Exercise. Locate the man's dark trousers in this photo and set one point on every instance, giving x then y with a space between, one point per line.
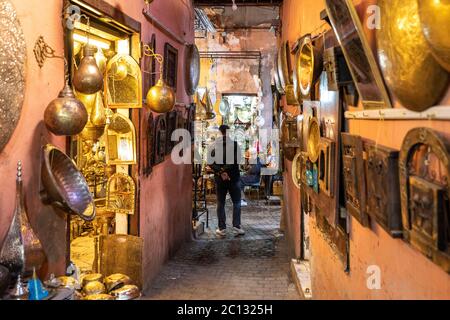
234 188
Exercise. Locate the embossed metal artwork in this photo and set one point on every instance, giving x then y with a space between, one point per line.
409 67
354 177
160 137
383 189
121 194
12 70
424 185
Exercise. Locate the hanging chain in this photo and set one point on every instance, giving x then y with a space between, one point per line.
149 52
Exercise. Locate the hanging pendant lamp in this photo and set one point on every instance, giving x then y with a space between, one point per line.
88 78
209 112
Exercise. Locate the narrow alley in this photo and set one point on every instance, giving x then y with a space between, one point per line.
255 266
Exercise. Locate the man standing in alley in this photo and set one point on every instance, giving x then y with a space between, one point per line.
224 158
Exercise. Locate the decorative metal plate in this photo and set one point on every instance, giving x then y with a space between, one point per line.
354 177
424 186
192 65
359 55
383 189
284 65
407 58
12 70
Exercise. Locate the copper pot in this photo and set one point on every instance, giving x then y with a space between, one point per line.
64 185
66 115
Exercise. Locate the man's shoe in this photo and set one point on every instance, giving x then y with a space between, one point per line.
239 231
244 203
221 233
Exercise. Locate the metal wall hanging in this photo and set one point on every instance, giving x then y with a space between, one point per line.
297 169
383 189
148 145
327 166
12 70
425 190
171 66
313 146
120 145
359 56
354 177
123 83
284 65
338 73
22 250
171 127
435 16
64 186
408 61
160 137
121 194
192 72
310 66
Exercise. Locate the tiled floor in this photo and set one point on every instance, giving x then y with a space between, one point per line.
251 267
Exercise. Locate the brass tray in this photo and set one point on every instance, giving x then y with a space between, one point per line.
284 65
410 69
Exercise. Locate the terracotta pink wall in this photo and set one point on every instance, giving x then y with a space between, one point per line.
165 196
405 273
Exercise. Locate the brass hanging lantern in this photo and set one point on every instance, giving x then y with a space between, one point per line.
200 109
66 115
101 60
88 78
95 127
160 98
22 251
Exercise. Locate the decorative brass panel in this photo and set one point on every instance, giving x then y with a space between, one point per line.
123 83
406 57
120 145
13 53
424 185
383 189
327 166
361 61
354 177
121 194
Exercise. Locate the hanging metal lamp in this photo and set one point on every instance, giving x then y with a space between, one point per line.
160 98
209 112
88 78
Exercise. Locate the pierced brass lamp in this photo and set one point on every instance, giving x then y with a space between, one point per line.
209 114
160 98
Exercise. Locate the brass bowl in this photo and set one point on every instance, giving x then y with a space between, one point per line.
409 67
435 18
91 278
115 281
94 287
127 292
68 282
313 146
309 66
99 297
64 185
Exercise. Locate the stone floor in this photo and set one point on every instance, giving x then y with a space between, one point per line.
251 267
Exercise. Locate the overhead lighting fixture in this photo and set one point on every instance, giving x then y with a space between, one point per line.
97 43
234 7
